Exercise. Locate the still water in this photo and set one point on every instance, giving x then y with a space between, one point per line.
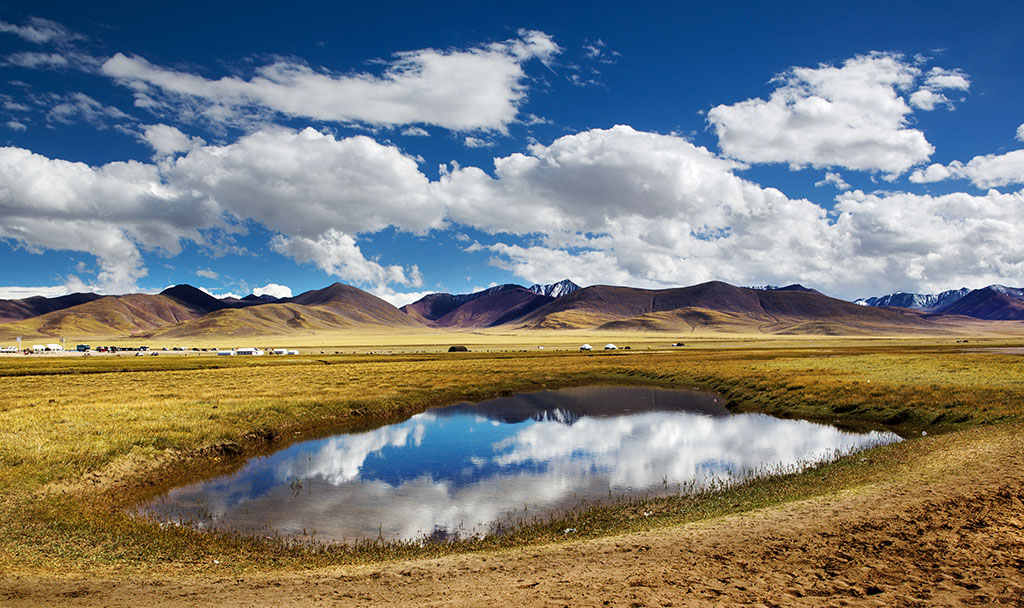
457 470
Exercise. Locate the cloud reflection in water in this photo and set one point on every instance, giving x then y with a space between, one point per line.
463 467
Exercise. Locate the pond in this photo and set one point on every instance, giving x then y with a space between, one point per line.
461 470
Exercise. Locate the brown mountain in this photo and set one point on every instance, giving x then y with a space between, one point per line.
718 306
354 304
432 307
194 298
495 306
26 308
333 308
273 319
108 316
990 303
200 300
184 311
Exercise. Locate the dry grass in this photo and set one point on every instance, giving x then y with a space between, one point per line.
80 439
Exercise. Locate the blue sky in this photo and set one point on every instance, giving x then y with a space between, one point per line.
859 149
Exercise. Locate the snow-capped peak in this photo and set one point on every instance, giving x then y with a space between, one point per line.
555 290
917 301
1013 292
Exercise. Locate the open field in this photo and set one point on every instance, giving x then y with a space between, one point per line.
83 438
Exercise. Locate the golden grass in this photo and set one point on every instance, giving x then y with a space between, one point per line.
81 439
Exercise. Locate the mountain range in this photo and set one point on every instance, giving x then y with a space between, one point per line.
184 311
993 303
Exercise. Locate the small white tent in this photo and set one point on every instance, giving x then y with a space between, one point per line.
610 347
586 347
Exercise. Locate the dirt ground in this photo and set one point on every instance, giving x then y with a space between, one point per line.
947 530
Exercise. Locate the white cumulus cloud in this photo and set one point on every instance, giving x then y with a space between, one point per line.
303 182
926 99
315 191
835 179
166 140
933 173
626 207
476 142
601 206
337 254
987 171
620 205
851 116
273 289
928 242
20 293
109 211
399 299
461 90
939 78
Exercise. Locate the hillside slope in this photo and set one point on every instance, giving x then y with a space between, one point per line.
194 298
990 304
268 320
497 308
26 308
720 307
333 308
434 306
108 316
354 304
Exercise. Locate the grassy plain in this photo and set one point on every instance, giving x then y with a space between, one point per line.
82 439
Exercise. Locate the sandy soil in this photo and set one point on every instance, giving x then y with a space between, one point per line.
948 530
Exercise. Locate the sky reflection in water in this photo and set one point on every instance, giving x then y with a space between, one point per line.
461 468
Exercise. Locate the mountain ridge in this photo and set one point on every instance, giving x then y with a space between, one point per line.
918 301
105 316
26 308
991 303
185 311
714 304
